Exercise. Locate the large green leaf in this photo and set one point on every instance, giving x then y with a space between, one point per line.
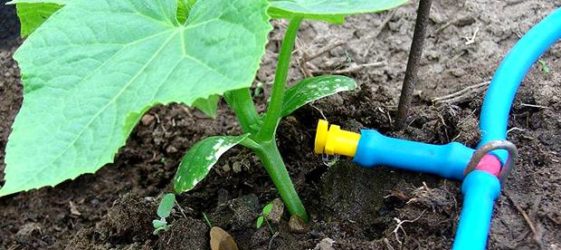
209 106
183 9
198 161
333 11
32 13
92 70
314 88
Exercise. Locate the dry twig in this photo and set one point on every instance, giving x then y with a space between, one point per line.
408 88
537 233
462 94
351 69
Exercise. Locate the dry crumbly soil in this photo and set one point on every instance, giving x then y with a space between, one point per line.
351 208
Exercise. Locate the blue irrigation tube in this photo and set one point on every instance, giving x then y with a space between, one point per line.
480 189
448 161
509 76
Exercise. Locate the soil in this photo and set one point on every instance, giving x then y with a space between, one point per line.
351 207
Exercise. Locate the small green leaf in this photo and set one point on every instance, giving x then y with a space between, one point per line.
157 224
267 209
314 88
544 67
32 13
167 203
260 221
198 161
333 11
94 67
208 106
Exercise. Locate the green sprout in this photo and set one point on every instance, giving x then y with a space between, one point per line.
164 211
263 216
544 67
123 57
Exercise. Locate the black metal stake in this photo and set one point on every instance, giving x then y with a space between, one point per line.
413 63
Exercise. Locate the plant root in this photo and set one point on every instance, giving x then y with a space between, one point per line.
399 226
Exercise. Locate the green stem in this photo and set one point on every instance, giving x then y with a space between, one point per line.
274 165
273 115
241 102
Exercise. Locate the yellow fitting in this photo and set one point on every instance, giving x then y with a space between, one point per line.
333 140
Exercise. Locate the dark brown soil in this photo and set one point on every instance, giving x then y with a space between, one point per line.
351 208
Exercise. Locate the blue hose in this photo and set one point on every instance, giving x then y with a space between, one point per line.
448 161
480 190
509 75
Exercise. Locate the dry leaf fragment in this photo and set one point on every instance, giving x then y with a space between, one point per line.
221 240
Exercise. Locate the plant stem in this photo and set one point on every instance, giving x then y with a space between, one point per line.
274 165
241 102
413 64
273 115
269 225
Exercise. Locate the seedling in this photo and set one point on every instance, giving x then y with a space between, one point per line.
544 67
205 216
263 216
164 210
91 71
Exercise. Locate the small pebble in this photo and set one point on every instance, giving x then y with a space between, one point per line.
296 225
276 213
147 119
325 244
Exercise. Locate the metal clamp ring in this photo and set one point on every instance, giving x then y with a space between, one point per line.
490 146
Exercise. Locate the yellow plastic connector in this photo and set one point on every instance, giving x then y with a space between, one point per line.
332 140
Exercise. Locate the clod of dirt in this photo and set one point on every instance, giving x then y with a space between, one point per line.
276 212
185 233
239 213
297 225
27 231
350 192
221 240
131 216
325 244
128 222
436 199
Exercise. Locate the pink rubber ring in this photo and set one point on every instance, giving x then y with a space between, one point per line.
490 164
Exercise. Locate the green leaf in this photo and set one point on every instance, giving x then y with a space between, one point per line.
167 203
333 11
260 221
92 70
159 224
314 88
183 9
267 209
209 106
198 161
32 13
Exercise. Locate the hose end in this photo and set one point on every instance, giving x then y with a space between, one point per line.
332 140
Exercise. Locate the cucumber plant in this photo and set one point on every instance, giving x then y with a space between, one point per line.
90 70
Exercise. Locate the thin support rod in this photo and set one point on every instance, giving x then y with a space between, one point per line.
413 63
